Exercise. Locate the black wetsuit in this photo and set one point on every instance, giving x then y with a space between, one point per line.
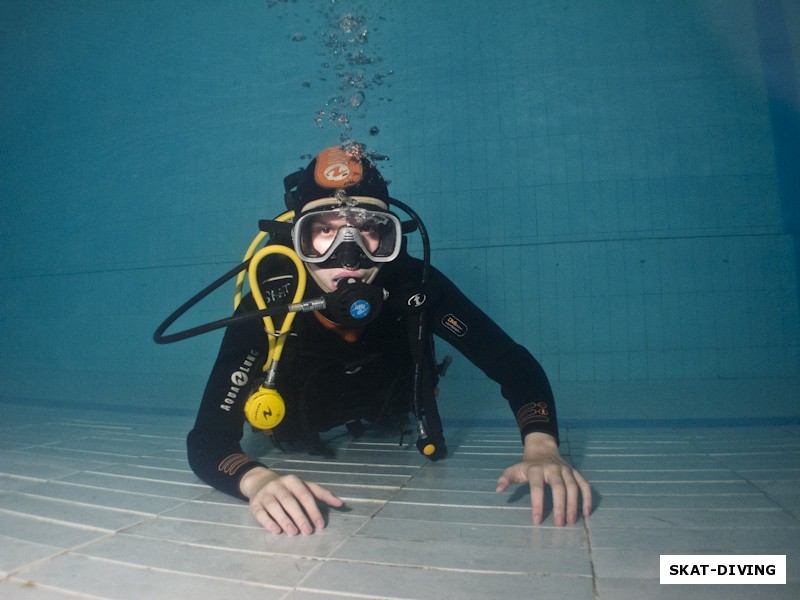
355 374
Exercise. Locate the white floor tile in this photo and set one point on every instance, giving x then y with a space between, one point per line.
100 578
459 514
636 589
415 583
201 560
522 536
467 555
46 531
135 485
40 464
16 589
701 518
15 553
93 496
687 540
101 506
69 512
680 501
249 539
15 483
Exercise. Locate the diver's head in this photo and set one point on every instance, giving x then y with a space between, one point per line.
343 228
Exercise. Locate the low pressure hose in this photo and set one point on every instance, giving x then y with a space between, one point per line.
265 408
430 440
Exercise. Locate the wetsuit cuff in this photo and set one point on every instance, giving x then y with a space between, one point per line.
537 416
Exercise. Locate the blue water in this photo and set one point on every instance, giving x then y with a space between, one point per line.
612 182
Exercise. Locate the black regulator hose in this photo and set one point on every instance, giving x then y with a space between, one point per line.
426 244
353 304
159 336
430 440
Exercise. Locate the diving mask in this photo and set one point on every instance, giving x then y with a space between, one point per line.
360 230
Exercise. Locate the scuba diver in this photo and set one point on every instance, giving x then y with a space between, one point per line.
337 330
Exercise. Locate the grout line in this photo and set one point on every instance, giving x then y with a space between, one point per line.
347 594
200 486
595 590
26 583
82 504
54 521
349 536
573 459
189 574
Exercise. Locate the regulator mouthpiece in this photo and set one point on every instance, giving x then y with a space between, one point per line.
355 304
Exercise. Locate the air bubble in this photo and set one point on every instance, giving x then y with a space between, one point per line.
350 60
357 99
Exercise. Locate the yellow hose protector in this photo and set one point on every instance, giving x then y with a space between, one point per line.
237 297
265 408
276 338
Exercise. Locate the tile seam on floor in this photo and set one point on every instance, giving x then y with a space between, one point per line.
352 534
86 486
574 457
164 515
69 593
442 569
346 594
54 521
87 505
590 552
107 534
183 485
250 552
785 509
141 567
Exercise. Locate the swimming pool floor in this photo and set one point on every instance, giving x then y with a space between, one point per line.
101 505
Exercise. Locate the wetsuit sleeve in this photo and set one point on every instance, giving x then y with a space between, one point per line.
214 445
522 379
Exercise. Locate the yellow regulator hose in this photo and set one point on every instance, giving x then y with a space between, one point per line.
265 409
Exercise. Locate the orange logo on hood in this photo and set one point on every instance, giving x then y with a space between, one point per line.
336 168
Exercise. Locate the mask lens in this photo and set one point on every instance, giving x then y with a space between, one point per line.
318 234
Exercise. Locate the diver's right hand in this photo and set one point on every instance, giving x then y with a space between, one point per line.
285 503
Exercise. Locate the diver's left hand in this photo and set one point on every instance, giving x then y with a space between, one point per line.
542 464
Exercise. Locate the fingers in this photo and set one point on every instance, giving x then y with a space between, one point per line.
572 493
505 480
536 482
289 505
567 487
325 495
586 493
263 519
559 492
275 519
502 484
513 474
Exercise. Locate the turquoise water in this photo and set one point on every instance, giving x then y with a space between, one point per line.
612 182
